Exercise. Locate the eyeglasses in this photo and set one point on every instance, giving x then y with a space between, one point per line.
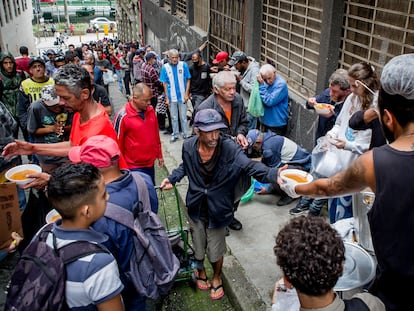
358 82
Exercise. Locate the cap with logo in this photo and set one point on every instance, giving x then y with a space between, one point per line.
207 120
99 150
237 57
48 95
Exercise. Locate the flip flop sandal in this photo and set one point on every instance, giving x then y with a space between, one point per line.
215 289
205 280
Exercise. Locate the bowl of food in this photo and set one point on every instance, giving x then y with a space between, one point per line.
321 108
295 176
52 216
18 174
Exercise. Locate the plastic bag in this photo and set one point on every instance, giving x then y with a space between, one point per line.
255 107
327 160
108 77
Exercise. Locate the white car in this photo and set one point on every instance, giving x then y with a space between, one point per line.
101 21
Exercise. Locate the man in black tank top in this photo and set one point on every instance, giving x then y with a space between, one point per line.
388 171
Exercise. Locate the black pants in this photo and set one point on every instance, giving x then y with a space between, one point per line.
127 82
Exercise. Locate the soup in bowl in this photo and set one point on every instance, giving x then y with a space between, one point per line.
18 174
321 108
295 176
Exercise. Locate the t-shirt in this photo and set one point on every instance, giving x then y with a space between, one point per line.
92 279
41 117
98 125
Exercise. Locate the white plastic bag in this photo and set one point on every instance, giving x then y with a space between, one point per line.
327 159
108 77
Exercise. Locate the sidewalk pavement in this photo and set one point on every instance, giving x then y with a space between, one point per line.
249 270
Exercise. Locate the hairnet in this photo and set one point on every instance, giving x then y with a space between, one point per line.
398 76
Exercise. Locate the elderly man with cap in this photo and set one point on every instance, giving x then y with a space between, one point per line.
277 151
48 123
388 171
249 69
213 164
103 152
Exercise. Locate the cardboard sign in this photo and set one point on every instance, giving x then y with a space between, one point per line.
10 215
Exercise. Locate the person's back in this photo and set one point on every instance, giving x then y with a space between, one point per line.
77 192
393 169
22 62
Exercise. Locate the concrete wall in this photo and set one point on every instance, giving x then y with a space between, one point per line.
18 31
168 31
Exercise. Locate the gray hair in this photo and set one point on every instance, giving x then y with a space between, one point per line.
267 68
224 77
340 77
74 78
172 52
398 77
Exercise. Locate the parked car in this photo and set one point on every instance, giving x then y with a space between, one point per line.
100 21
85 12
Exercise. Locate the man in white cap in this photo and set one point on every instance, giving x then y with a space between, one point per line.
48 122
213 164
388 171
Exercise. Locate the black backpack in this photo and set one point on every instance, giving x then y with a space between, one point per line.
38 280
153 265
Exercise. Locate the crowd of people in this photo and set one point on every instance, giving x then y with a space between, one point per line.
60 103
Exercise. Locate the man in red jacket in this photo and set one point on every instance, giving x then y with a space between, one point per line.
136 126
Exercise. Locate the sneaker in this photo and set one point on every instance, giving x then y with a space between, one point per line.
173 139
299 209
284 201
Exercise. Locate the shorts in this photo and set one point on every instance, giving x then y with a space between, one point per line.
207 241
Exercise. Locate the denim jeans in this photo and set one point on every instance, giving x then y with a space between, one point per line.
179 112
119 77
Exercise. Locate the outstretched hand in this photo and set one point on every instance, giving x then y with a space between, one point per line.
18 147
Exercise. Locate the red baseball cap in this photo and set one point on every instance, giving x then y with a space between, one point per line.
98 150
220 57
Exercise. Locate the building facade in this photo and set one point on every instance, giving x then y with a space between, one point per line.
306 40
16 26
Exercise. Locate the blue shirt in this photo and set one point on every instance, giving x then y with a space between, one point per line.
275 101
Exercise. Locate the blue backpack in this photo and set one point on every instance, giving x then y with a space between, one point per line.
38 280
153 265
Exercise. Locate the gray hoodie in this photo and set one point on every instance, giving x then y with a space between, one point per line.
248 78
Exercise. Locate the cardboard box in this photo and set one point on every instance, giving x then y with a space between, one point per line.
10 215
